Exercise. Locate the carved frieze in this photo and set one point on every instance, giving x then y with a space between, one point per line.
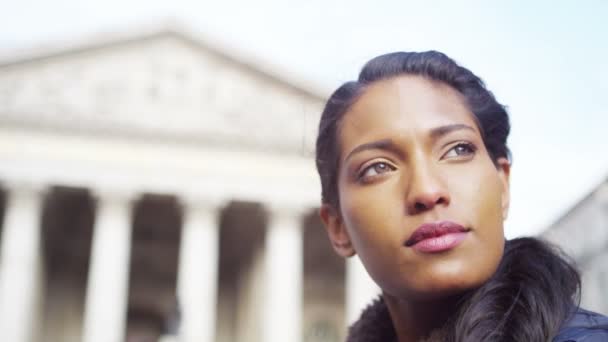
165 87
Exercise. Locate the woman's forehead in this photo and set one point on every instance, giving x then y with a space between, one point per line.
405 105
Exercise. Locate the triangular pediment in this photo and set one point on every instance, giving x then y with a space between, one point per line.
163 84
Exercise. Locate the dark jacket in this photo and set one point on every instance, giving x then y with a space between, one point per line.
375 325
585 326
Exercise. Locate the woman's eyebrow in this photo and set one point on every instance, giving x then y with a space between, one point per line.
389 145
440 131
384 144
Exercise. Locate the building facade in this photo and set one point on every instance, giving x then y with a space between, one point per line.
155 188
583 234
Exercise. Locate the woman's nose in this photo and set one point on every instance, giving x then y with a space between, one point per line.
425 191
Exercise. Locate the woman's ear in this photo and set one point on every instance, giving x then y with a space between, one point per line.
504 172
336 231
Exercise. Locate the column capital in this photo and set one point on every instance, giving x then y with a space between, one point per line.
25 187
291 209
201 201
115 195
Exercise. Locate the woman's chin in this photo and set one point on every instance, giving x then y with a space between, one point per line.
438 288
441 293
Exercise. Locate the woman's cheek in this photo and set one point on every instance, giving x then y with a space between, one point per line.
489 210
369 210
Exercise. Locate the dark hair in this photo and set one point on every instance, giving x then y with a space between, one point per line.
535 287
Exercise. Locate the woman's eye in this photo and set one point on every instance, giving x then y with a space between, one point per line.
375 170
462 149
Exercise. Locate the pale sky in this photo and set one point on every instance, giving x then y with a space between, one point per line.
546 60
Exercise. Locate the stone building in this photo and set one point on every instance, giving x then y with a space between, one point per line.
155 187
582 232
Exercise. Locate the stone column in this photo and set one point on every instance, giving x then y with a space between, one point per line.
360 289
198 271
107 294
284 268
21 268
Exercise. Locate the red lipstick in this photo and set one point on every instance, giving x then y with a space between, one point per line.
437 237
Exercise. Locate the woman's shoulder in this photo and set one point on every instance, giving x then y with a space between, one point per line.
584 326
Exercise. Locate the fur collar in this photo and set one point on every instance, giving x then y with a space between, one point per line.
374 325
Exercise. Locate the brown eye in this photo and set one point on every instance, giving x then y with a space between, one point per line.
375 170
462 149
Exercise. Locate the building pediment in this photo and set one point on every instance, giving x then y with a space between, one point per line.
163 85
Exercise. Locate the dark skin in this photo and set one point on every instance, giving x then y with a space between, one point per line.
412 153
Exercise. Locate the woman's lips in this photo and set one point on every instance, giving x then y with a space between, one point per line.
437 237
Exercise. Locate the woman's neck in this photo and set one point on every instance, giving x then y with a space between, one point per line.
416 320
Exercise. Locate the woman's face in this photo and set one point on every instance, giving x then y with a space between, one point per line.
412 154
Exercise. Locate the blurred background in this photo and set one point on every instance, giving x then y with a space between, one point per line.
156 157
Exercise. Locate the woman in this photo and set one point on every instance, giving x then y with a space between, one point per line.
415 171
